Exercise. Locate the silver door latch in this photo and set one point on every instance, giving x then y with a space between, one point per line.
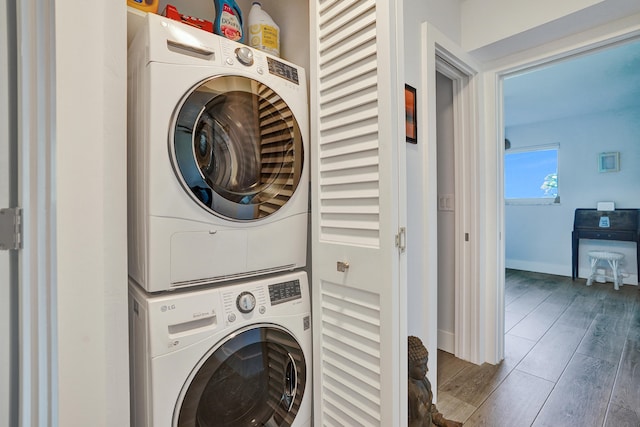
401 239
10 229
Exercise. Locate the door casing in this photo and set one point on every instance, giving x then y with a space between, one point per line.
443 55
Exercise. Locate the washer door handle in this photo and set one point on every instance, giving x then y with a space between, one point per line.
290 383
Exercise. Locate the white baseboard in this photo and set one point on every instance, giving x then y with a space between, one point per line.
561 270
446 341
538 267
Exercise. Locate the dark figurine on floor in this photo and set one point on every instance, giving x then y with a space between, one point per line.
422 411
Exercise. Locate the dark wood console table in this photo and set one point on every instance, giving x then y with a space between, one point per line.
623 225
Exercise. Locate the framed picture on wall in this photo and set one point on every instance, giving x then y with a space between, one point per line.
609 162
411 126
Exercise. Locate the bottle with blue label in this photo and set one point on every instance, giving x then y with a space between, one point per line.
228 22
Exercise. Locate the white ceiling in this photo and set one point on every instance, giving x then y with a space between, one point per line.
605 80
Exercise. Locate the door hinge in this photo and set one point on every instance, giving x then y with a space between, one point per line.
10 229
401 239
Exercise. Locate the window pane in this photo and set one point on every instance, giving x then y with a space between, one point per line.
531 174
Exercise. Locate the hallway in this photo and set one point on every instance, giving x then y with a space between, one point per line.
572 359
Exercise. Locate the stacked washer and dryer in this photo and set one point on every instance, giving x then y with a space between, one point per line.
218 171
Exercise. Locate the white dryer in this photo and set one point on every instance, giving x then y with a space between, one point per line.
229 356
218 166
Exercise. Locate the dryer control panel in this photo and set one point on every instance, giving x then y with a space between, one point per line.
275 71
283 70
284 292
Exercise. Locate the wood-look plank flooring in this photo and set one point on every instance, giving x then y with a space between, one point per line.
572 358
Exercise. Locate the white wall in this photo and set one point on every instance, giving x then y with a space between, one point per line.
496 28
91 214
538 238
442 14
488 21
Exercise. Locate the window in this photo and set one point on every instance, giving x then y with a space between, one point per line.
531 175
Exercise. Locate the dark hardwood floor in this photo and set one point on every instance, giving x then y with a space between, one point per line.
572 359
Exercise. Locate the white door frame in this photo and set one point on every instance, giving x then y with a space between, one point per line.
36 181
8 258
443 55
493 85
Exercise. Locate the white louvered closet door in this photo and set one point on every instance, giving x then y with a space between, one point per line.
358 208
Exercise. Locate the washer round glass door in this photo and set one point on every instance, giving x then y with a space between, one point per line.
236 148
256 377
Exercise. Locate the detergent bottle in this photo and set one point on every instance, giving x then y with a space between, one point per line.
228 22
264 34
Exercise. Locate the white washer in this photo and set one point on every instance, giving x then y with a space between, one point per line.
230 356
218 166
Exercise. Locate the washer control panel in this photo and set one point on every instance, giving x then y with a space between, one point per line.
244 304
248 302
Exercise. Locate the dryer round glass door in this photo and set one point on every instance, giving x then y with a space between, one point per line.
255 377
236 148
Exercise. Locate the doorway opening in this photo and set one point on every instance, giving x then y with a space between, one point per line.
445 119
571 101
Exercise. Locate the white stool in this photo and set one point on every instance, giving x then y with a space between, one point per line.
613 258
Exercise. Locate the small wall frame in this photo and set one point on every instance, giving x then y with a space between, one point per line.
411 125
609 162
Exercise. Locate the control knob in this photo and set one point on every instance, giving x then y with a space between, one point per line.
244 55
246 302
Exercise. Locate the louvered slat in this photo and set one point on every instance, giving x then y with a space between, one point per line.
346 147
362 103
350 354
354 85
360 33
337 206
344 20
348 131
